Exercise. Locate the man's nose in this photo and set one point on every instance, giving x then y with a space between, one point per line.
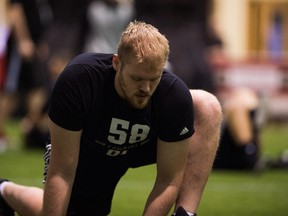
145 86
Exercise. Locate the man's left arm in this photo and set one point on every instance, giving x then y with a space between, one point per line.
171 160
202 149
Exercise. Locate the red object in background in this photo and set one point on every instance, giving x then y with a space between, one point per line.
2 70
268 78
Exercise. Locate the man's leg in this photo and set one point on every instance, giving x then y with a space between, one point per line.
203 147
26 201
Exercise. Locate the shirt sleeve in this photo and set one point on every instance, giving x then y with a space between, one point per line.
70 98
176 115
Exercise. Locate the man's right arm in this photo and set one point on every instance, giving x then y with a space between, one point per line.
62 169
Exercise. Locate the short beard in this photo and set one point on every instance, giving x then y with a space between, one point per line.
122 86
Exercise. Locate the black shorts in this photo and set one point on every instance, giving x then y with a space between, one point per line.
94 185
233 156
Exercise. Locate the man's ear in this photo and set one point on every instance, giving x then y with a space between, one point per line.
115 62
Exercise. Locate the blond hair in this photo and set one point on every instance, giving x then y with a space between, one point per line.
143 43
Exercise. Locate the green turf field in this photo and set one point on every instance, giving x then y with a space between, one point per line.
227 193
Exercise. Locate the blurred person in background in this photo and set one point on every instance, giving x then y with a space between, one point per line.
19 74
103 24
61 33
239 146
33 77
52 30
39 133
64 29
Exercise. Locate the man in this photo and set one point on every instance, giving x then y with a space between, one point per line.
112 112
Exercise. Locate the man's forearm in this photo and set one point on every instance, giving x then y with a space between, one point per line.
197 173
202 149
56 196
198 168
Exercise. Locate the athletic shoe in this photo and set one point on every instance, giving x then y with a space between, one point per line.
180 212
5 209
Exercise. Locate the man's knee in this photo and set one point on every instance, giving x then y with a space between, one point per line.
207 108
207 124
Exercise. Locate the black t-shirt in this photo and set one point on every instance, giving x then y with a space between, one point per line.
84 97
